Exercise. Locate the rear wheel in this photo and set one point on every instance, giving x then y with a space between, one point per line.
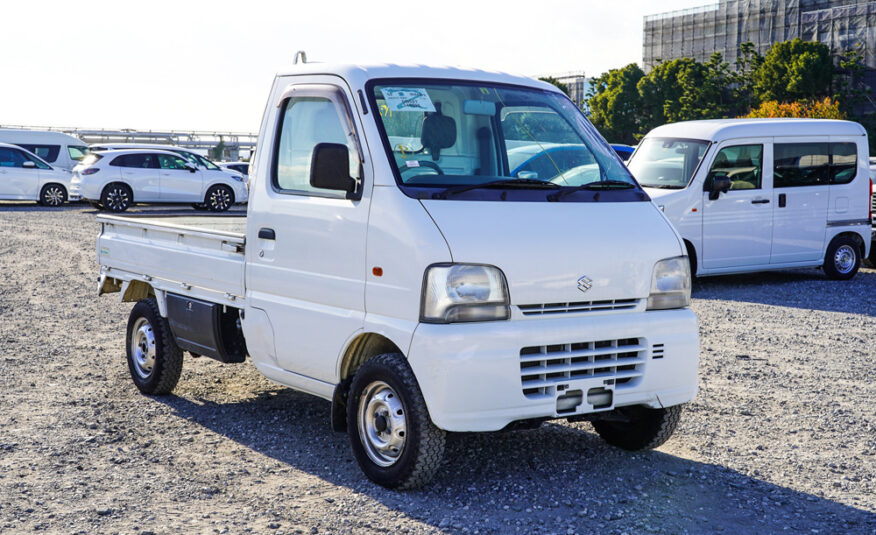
154 359
392 436
842 259
639 427
117 197
219 198
53 195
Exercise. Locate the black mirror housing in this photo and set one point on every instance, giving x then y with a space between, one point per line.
720 184
330 168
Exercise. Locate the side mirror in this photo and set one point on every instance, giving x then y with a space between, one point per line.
191 167
720 184
29 165
330 168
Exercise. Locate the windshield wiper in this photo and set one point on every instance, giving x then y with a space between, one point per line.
661 186
598 185
507 182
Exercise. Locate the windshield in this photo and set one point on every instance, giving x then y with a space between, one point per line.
667 163
206 163
77 152
458 135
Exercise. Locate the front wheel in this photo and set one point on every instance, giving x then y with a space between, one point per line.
154 359
842 259
219 198
392 436
53 195
638 427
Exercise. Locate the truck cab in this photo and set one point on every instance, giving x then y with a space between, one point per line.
401 259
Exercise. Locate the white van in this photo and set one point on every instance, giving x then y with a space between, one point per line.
27 177
760 194
57 148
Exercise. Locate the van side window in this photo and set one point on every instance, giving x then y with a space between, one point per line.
306 122
801 164
48 153
142 160
742 164
843 162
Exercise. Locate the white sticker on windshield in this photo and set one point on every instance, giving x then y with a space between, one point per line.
407 99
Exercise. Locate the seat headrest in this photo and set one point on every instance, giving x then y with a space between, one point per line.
439 132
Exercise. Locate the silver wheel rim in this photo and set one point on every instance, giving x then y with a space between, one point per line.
220 199
117 199
143 347
844 259
381 422
54 196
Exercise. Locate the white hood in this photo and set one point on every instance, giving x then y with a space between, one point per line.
545 247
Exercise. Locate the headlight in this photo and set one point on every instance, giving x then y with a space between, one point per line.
464 292
670 284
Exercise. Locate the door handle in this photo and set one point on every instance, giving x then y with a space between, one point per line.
782 200
760 201
267 234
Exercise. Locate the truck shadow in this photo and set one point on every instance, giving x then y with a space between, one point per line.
558 477
807 289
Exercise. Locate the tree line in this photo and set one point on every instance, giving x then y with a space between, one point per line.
793 79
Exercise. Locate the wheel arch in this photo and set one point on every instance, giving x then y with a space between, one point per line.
854 236
359 350
692 253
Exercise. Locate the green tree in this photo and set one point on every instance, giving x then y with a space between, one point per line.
794 70
615 103
743 88
553 81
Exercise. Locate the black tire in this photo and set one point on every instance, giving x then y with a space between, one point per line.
872 257
154 360
199 206
842 259
219 198
421 447
117 197
692 259
53 195
644 428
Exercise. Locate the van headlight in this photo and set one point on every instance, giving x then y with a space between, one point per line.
670 284
454 293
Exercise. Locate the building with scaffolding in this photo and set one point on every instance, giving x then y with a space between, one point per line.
723 27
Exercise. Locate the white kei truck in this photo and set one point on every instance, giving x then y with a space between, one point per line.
413 251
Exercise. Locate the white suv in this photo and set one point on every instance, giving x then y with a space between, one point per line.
25 176
116 179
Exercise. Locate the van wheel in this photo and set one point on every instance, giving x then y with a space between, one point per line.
53 195
843 258
117 197
154 360
219 198
639 427
392 436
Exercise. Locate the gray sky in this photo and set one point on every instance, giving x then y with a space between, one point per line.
208 65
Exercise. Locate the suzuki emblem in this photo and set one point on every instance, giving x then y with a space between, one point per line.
584 283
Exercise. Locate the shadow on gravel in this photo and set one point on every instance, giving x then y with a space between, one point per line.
553 479
806 289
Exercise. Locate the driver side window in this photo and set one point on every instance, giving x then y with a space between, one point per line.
742 164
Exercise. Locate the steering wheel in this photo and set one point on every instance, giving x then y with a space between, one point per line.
424 163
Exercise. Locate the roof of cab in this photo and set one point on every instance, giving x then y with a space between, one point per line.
357 75
721 129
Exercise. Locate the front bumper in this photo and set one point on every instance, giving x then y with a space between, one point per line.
472 378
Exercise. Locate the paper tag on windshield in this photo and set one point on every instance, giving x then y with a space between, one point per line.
407 99
412 163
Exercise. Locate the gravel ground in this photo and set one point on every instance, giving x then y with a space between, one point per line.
782 437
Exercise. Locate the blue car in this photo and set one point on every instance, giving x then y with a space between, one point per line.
624 151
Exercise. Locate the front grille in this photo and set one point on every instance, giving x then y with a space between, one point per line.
579 306
542 368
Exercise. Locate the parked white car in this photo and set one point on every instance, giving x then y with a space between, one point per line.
55 148
392 262
25 176
761 194
240 167
114 180
190 155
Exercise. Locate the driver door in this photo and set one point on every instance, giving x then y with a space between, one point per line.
738 224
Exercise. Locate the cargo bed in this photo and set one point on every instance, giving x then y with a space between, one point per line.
192 255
